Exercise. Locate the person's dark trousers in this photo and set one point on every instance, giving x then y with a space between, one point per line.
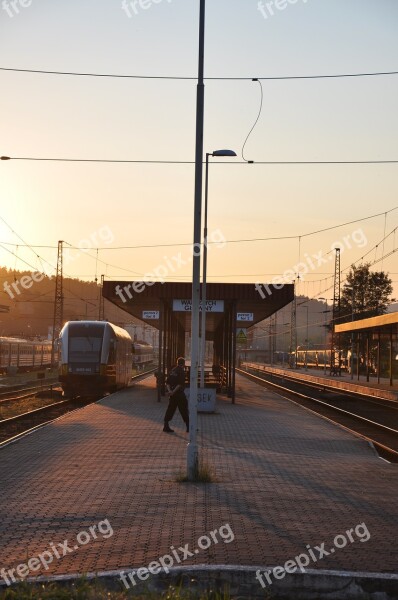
178 400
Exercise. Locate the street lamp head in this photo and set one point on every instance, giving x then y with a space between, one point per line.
223 153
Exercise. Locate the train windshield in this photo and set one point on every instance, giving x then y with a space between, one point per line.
85 343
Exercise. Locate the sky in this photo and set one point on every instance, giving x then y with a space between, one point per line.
112 206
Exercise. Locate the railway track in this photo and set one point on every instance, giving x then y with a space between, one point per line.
374 421
27 392
14 427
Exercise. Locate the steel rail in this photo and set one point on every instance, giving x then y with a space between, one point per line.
393 454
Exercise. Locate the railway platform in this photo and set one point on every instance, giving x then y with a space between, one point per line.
343 382
99 487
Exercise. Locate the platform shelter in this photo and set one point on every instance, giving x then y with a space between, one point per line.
167 307
380 335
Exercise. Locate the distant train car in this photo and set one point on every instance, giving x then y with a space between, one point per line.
142 355
316 359
18 355
95 357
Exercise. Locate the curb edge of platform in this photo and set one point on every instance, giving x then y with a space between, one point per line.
314 584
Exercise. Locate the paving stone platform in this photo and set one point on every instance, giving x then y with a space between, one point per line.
381 389
285 479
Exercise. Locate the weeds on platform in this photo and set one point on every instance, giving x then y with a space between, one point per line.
94 590
206 474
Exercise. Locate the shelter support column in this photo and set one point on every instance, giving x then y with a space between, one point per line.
367 357
160 366
391 358
233 350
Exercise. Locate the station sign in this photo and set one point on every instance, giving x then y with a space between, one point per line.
240 316
150 314
212 306
206 399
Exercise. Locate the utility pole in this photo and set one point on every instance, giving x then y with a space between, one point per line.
192 451
293 331
58 301
101 316
335 342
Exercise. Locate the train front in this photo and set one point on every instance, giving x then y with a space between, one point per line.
81 356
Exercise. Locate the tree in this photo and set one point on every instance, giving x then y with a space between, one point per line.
365 293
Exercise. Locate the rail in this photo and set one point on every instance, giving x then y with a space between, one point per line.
369 427
41 416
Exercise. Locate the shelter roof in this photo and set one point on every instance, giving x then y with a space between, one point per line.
387 323
140 296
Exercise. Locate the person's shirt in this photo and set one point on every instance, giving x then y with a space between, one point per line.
177 377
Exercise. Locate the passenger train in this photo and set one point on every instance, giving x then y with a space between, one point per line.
18 355
95 357
317 359
142 355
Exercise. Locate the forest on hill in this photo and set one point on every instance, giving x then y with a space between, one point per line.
29 298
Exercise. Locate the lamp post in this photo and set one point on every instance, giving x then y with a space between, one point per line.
203 321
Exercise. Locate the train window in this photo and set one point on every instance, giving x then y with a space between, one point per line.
85 344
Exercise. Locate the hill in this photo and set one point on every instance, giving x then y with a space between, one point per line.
30 299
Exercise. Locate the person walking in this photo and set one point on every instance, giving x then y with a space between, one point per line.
175 384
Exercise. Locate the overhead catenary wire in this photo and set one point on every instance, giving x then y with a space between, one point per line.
255 122
193 78
243 240
192 162
26 245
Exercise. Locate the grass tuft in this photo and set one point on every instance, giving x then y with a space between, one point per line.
206 474
94 590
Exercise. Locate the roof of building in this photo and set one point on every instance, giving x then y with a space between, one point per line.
261 300
388 322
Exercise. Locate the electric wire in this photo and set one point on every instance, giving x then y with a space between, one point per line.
192 162
192 78
244 240
255 122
